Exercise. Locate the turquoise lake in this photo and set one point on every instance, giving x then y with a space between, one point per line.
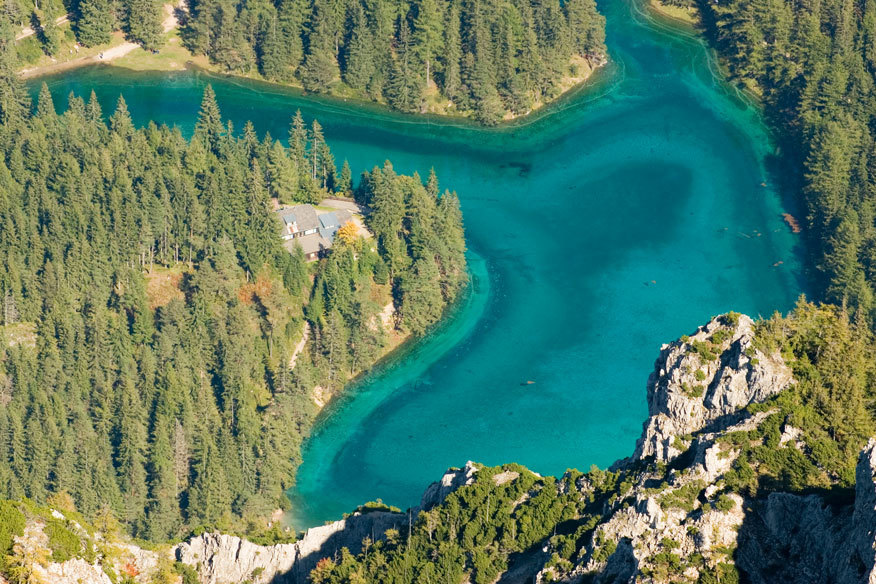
616 220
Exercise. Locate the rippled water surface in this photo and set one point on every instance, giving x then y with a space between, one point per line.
619 219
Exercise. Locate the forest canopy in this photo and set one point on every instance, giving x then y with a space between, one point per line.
149 310
487 58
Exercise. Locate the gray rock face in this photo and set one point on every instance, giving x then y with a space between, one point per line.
227 559
76 571
452 480
864 516
690 390
795 539
693 400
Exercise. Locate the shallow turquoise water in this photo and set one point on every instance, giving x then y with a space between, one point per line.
621 218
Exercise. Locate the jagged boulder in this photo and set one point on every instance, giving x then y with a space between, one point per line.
453 479
703 381
227 559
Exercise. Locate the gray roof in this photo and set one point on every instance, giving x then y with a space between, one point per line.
304 217
332 221
308 243
329 232
328 220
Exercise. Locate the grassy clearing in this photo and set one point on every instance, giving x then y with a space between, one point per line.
172 56
687 15
163 285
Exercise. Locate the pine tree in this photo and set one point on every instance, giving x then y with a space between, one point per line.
298 142
344 185
282 174
359 58
48 32
405 87
273 62
143 23
422 302
230 47
95 23
320 67
428 33
451 82
586 26
209 127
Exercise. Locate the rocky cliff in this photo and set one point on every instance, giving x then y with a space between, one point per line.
705 380
678 521
226 559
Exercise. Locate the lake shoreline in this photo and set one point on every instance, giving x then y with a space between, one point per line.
126 55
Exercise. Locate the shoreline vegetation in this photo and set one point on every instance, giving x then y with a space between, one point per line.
688 15
72 55
414 76
812 70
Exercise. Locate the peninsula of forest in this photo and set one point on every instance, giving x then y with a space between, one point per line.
493 60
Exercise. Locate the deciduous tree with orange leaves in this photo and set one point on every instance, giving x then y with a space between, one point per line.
348 233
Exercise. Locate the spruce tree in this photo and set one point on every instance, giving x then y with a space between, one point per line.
405 89
209 127
359 57
428 33
320 67
143 23
95 23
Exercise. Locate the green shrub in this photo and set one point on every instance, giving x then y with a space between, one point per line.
705 350
700 375
732 319
64 543
724 503
683 498
604 549
11 525
694 391
720 336
188 573
720 574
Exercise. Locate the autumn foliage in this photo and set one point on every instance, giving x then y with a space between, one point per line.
348 233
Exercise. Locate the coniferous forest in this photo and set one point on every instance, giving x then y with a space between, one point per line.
490 57
149 311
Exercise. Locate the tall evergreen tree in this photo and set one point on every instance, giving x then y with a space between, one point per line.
95 23
143 23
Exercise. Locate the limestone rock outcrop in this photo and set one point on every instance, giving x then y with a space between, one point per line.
675 513
703 381
227 559
453 479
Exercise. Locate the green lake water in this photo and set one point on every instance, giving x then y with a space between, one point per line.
618 219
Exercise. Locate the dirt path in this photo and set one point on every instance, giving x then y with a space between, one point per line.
170 22
29 31
300 346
